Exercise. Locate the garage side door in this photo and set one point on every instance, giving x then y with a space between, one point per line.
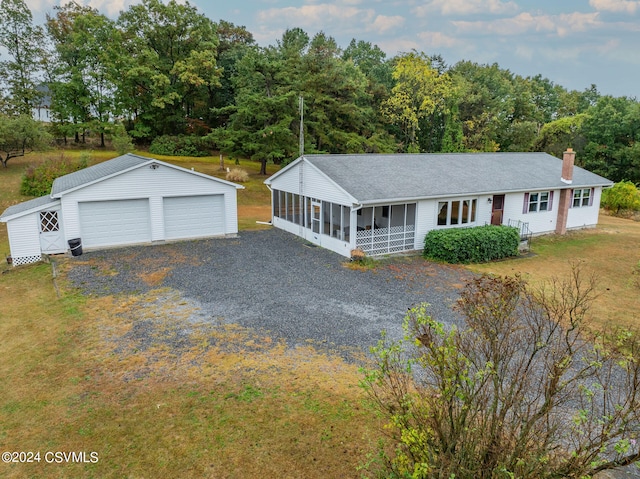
193 216
107 223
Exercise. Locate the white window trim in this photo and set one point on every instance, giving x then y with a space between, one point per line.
471 221
581 197
526 209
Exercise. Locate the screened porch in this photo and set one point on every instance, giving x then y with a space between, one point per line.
386 229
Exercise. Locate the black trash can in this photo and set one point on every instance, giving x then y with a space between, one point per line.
76 246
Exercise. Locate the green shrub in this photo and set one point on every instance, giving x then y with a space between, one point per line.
181 145
37 180
472 245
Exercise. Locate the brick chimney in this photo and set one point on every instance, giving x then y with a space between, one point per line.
568 159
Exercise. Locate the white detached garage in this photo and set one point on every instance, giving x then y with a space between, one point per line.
128 200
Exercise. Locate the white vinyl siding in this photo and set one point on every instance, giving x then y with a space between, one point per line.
193 216
109 223
586 216
154 185
24 239
314 184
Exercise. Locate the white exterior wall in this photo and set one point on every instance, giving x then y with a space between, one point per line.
585 216
24 238
539 222
153 184
314 185
333 244
427 216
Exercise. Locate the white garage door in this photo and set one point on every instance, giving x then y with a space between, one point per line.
106 223
193 216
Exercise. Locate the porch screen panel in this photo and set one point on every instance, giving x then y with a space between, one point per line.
276 203
396 234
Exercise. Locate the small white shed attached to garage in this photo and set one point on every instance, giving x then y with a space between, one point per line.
127 200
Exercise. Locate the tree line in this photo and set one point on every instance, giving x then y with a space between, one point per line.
167 70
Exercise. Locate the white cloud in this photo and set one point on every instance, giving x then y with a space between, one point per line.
383 23
393 46
467 7
562 25
438 40
110 8
37 6
340 17
617 6
313 15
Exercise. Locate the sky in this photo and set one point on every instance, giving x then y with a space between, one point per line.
573 43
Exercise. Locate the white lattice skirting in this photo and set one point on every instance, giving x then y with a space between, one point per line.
25 260
386 240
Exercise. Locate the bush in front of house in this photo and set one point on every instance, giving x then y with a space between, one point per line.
37 180
472 245
180 145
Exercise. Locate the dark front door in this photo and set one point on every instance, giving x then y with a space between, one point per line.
497 208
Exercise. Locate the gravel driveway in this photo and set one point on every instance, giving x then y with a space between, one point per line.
274 281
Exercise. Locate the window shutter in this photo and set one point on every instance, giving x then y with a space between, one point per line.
571 193
550 208
525 207
591 196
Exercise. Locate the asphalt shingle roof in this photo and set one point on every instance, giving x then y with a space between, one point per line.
27 205
370 177
96 172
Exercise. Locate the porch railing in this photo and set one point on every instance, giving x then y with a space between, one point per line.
525 233
386 240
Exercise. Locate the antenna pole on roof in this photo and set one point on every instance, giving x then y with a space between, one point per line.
301 107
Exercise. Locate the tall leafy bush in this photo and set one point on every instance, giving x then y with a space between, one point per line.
624 195
181 145
472 245
37 180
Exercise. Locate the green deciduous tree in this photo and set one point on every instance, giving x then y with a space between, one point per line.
612 129
169 69
558 135
83 70
419 91
24 43
20 135
519 390
624 195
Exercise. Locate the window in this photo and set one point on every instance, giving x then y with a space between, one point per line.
536 202
443 213
456 212
582 198
49 221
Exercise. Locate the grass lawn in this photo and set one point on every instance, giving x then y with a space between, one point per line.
205 412
251 409
610 252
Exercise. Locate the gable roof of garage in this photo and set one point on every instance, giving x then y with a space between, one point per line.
376 177
26 207
116 166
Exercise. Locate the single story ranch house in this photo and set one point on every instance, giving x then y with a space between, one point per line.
127 200
386 203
